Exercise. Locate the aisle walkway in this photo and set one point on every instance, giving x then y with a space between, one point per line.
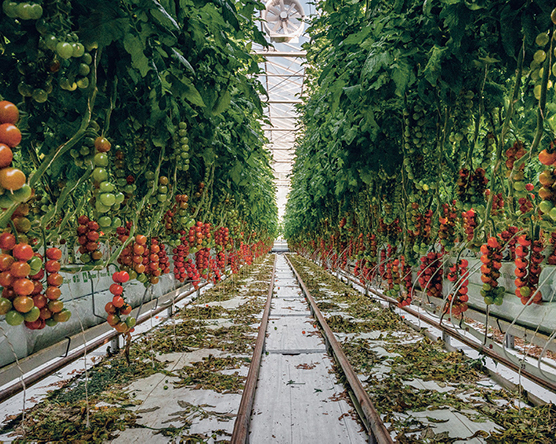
298 397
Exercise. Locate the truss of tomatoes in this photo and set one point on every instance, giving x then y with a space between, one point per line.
12 180
22 275
118 307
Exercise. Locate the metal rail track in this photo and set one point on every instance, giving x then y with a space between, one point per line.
378 433
240 433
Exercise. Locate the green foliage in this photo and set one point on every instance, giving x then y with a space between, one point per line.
152 65
402 95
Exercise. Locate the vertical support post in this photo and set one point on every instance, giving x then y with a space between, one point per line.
115 344
509 341
446 338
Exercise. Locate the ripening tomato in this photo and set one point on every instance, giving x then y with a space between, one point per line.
10 135
140 239
12 179
7 241
96 255
547 158
112 319
102 144
54 254
20 269
40 300
121 327
6 155
55 280
53 293
45 313
52 266
109 308
126 309
22 251
6 262
6 279
38 288
23 304
23 287
55 306
8 112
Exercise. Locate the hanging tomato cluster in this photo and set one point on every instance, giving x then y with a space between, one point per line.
88 236
431 274
11 179
119 306
528 269
491 263
459 275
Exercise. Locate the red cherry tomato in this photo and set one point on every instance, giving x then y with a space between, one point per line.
54 254
8 112
10 135
22 252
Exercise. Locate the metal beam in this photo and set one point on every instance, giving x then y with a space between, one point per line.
281 75
283 102
279 129
281 53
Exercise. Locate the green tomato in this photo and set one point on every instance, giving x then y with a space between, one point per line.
21 195
108 199
35 11
78 49
14 318
128 189
106 187
161 197
100 175
100 207
51 42
24 89
5 305
105 222
119 198
162 189
32 315
64 50
41 26
149 175
85 258
24 11
40 95
83 83
498 300
87 58
10 9
489 300
51 322
142 278
116 222
545 206
35 263
130 322
100 160
84 69
121 182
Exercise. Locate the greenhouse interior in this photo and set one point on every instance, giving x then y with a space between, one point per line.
278 221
